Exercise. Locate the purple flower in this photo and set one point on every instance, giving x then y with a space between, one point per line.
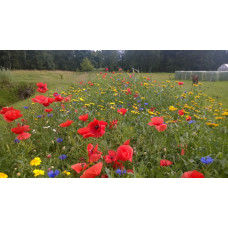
191 121
16 140
49 115
26 107
59 140
53 174
145 103
120 172
206 160
62 157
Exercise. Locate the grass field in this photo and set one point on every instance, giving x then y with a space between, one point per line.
63 79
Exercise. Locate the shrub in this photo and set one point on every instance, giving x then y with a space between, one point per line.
5 77
86 65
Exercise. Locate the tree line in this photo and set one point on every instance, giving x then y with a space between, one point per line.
143 60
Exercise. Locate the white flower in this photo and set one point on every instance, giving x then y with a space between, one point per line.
54 130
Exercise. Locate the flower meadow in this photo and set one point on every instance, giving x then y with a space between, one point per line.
118 125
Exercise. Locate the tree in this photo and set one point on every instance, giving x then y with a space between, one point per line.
86 65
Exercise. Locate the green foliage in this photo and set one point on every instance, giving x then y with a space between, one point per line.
86 65
16 92
5 77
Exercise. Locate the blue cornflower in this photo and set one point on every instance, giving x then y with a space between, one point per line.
126 85
62 157
140 109
40 116
16 140
206 160
74 102
53 174
85 90
49 115
59 140
120 172
56 94
191 121
26 107
139 100
68 112
185 91
120 106
146 103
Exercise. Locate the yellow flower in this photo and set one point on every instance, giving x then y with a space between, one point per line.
67 173
212 124
38 172
3 175
172 108
219 118
225 114
36 161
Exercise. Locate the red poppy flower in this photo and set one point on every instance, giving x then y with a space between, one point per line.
58 98
124 153
66 124
93 153
101 73
192 174
152 109
118 165
94 129
79 167
12 115
104 176
23 136
76 111
83 117
156 121
6 109
127 142
93 171
111 157
130 171
20 129
122 111
161 127
180 83
48 110
128 91
136 95
45 101
106 69
181 112
165 162
42 87
182 152
67 99
113 123
188 118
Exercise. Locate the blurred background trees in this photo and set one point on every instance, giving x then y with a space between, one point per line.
143 60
